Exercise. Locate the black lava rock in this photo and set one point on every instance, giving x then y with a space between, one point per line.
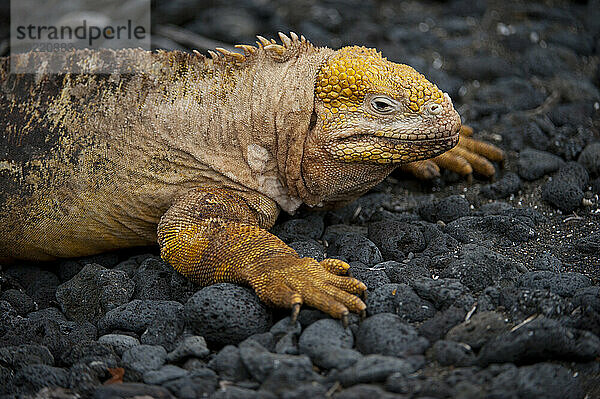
372 276
589 244
590 158
479 329
443 293
401 272
164 374
189 346
364 391
539 340
446 209
507 185
226 313
478 267
84 380
533 164
309 249
387 334
373 368
399 299
94 291
119 342
589 296
542 380
278 371
544 261
520 303
449 353
563 195
19 300
131 390
153 280
334 231
199 382
157 322
574 173
484 67
493 229
565 190
228 363
233 392
506 95
143 358
43 289
354 247
30 379
23 355
396 239
436 327
86 352
310 227
56 335
328 344
563 284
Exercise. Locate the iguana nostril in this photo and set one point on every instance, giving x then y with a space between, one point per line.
435 109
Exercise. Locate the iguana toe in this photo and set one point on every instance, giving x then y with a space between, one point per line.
468 156
424 170
291 281
295 312
335 266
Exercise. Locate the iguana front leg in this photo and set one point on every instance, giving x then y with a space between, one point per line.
468 156
212 235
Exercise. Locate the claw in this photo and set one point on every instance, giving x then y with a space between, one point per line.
365 295
470 178
345 319
295 311
362 314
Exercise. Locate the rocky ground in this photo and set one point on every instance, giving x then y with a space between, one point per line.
480 290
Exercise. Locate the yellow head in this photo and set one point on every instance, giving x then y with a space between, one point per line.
371 115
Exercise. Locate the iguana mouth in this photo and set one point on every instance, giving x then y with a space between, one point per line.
418 137
385 150
405 138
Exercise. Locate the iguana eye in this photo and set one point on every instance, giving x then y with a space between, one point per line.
382 105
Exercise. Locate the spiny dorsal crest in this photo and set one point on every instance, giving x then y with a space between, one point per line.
289 47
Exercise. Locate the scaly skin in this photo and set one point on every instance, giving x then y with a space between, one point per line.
209 150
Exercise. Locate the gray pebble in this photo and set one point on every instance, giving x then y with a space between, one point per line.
159 322
328 344
119 342
373 368
144 358
479 329
164 374
194 346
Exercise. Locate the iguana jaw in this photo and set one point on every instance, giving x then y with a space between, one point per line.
398 139
396 145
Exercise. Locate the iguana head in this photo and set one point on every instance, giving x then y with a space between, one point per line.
371 115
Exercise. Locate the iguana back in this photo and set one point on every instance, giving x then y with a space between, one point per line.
90 161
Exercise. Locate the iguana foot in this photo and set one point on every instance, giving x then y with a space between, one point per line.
468 156
289 282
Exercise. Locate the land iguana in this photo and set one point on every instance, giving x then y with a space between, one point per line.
200 154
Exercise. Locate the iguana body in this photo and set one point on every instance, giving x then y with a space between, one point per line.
208 150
